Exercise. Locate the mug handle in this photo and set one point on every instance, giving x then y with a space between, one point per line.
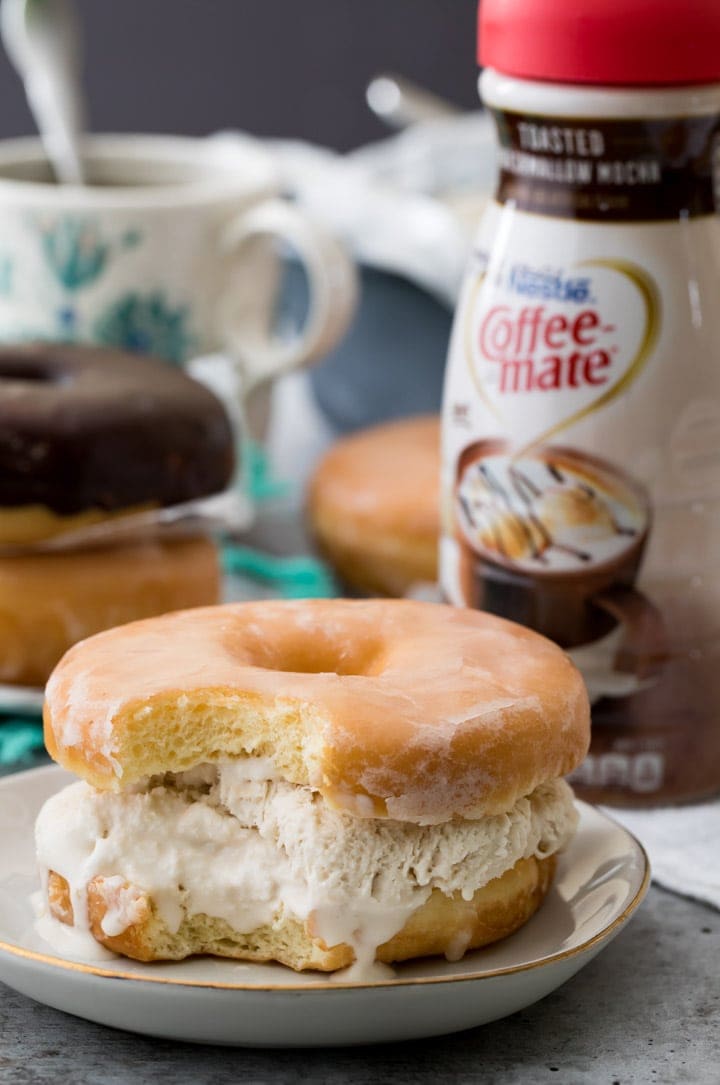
644 644
246 304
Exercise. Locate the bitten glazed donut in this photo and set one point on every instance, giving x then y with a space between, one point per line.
87 433
50 601
373 504
315 782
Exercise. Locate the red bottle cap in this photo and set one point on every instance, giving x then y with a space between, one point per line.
611 42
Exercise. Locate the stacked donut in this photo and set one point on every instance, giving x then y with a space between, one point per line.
87 435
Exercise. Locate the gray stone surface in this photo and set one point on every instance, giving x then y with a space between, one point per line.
647 1010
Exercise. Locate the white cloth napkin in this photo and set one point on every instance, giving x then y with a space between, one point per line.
683 843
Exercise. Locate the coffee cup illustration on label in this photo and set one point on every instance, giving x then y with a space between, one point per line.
554 539
548 536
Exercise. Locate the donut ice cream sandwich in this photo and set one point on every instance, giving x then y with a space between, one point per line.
319 783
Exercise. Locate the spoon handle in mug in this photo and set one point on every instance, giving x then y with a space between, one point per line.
44 42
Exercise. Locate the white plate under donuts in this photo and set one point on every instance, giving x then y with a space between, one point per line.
601 879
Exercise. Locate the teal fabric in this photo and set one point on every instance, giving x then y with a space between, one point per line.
260 482
19 738
291 577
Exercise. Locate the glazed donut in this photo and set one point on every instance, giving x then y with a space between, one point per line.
398 709
86 433
373 505
313 782
50 601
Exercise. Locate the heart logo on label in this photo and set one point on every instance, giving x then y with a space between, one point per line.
542 366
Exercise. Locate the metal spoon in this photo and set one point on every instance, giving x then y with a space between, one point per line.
43 41
400 103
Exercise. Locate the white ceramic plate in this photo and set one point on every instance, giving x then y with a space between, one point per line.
602 877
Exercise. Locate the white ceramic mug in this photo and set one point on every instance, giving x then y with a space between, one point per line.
165 251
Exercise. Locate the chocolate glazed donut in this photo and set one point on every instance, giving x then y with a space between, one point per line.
93 429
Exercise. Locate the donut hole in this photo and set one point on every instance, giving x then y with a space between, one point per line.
319 653
330 661
21 369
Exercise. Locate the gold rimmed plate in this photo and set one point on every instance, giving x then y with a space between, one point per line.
601 879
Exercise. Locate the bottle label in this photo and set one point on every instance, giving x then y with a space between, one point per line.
581 468
609 170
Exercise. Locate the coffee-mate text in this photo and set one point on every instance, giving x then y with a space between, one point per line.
537 349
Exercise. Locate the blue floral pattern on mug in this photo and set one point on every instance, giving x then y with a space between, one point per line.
147 324
76 252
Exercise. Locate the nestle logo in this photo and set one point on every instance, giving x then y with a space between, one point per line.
548 284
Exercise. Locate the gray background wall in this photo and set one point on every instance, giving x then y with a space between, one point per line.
274 67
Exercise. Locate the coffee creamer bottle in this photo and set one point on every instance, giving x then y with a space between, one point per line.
581 418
